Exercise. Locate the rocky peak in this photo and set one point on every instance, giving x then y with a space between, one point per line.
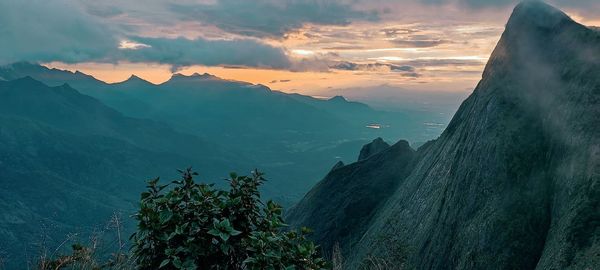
537 13
205 76
134 79
372 148
338 165
338 99
178 77
536 35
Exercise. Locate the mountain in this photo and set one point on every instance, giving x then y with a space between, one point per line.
65 108
68 162
372 148
514 180
51 77
206 94
84 83
395 98
294 138
340 206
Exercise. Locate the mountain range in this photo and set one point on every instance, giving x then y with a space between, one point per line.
75 150
277 132
512 183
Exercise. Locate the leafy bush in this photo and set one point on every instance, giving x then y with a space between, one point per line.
189 225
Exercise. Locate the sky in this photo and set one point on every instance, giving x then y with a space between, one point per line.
307 46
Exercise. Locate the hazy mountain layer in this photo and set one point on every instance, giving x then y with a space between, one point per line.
68 162
294 138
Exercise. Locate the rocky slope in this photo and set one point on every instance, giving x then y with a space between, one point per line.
514 181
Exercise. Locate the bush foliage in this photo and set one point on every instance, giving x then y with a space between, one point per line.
189 225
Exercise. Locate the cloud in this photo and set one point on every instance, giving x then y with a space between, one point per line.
39 30
182 52
445 62
398 31
62 31
581 5
271 18
418 43
408 71
139 31
280 81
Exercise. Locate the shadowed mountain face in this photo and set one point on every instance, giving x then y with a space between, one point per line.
514 181
340 206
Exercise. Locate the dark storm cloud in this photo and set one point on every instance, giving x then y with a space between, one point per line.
186 52
271 18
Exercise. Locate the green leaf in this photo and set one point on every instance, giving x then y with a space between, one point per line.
214 232
177 263
165 216
164 263
224 236
189 264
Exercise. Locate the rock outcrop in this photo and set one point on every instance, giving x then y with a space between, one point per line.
372 148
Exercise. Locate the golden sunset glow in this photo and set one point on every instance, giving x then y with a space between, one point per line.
406 47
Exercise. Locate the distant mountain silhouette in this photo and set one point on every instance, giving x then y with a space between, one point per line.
294 137
207 96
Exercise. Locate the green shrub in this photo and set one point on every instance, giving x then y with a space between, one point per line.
189 225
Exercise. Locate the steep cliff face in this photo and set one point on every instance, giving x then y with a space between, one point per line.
514 181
